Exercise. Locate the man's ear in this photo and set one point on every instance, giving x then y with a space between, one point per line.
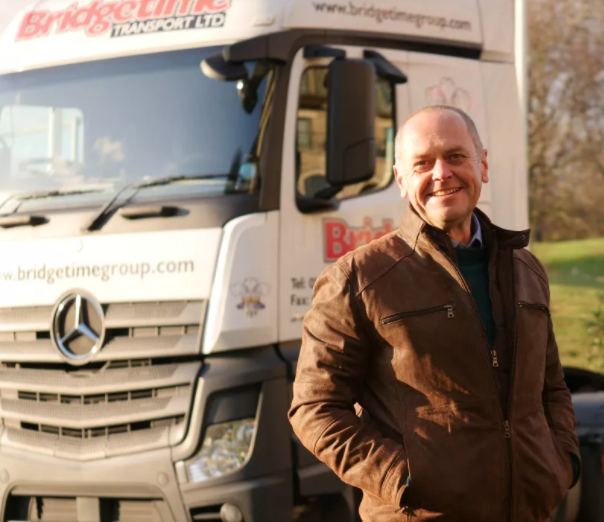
484 167
400 180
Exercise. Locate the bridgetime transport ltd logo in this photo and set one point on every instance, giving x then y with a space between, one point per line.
125 18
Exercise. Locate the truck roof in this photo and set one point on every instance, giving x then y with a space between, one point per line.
53 32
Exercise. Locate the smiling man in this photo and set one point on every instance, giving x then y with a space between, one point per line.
441 332
441 151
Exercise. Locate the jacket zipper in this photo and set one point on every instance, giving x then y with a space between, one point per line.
404 315
477 318
507 434
543 308
495 360
508 413
492 363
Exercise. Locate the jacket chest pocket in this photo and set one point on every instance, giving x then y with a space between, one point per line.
432 350
414 333
401 316
533 321
533 306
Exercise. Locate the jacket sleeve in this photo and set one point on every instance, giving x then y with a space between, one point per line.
329 378
557 401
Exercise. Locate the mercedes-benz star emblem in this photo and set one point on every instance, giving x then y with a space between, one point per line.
78 327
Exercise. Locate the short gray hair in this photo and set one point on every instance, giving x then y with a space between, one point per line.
471 126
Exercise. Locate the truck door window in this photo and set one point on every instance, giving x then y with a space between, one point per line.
311 158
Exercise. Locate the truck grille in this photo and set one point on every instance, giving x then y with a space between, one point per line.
134 396
65 509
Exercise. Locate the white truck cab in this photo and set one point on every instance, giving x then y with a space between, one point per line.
174 175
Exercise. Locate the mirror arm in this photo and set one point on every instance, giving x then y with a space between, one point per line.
321 51
272 47
385 68
227 65
328 192
216 68
309 205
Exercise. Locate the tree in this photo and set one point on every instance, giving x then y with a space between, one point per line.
566 118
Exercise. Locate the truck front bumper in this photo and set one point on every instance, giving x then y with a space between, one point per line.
33 487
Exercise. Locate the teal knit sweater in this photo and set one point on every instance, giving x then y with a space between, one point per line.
473 264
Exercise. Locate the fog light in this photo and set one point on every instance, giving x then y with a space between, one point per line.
230 513
226 448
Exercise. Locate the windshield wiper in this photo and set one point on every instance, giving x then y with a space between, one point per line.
47 194
135 186
21 198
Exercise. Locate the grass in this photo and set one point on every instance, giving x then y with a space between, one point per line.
576 272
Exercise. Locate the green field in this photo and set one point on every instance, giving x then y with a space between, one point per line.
576 272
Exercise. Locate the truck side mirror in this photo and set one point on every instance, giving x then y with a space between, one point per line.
351 146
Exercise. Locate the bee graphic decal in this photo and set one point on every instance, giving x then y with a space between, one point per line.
251 291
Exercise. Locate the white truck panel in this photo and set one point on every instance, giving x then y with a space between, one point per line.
127 27
53 32
497 19
152 266
509 174
427 19
243 309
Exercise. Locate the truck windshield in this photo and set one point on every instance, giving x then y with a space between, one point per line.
93 127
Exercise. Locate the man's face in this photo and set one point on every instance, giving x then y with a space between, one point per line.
442 172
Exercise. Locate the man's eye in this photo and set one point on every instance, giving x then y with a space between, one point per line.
456 159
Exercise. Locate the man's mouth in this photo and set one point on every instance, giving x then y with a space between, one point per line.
446 192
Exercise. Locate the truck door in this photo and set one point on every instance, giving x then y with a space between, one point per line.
311 240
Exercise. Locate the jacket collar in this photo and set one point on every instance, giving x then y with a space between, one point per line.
413 227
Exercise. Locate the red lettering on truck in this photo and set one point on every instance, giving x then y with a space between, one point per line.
210 6
33 24
339 238
99 17
124 11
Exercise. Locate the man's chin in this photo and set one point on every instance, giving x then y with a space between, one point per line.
446 218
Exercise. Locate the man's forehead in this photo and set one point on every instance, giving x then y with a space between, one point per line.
435 130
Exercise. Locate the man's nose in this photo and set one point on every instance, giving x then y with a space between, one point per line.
441 170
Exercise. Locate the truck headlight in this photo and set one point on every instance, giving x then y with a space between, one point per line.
226 448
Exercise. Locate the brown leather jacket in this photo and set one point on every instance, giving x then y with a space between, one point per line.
481 436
